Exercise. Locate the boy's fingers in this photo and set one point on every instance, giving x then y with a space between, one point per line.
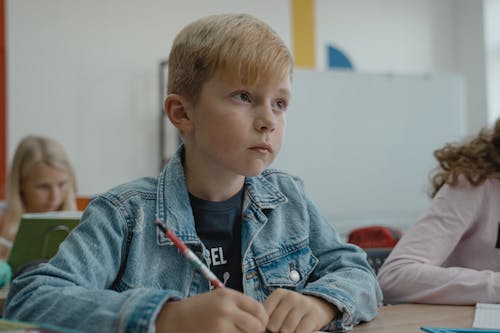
253 309
272 301
291 321
278 310
258 311
246 322
306 324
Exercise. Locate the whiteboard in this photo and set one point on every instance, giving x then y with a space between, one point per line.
363 143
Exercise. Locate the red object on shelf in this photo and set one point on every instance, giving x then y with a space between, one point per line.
374 237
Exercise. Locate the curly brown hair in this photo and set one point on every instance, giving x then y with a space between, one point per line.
476 160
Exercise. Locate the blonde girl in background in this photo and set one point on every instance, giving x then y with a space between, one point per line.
41 179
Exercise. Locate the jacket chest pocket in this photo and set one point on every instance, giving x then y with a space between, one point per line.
290 271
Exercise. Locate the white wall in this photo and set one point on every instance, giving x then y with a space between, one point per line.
359 168
492 40
407 36
86 72
403 36
469 49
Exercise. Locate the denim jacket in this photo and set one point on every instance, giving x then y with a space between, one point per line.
116 269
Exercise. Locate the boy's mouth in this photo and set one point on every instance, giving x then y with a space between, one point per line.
264 148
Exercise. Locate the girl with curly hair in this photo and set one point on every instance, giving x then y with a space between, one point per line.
452 253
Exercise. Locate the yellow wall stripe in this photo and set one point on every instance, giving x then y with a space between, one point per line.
303 35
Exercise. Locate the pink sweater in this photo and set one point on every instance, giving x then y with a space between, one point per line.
452 253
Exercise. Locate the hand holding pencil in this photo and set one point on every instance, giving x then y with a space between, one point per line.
221 310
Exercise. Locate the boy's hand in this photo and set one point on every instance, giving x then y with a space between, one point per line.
290 312
222 310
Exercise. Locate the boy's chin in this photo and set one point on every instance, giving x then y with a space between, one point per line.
255 169
253 173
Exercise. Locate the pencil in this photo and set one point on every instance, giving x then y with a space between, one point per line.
191 257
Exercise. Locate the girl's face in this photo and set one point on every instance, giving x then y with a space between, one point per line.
44 189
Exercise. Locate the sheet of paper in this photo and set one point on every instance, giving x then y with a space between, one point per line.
487 316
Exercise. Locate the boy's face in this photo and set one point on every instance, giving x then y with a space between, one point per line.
238 129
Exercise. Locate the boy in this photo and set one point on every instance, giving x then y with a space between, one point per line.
285 268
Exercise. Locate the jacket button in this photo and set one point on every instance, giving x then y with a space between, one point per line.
294 275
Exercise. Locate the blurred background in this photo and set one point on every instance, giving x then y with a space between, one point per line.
379 84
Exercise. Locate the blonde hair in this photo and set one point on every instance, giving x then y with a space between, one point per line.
476 160
238 43
29 152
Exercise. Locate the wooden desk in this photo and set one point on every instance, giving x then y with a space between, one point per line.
403 318
408 318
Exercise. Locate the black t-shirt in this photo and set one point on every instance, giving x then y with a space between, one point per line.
219 226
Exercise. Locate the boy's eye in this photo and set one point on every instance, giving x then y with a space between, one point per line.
281 104
243 96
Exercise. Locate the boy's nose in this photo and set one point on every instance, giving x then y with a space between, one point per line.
266 120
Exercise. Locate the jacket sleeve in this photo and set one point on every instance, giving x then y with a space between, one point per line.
343 276
74 289
414 271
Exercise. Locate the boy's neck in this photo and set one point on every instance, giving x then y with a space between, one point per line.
211 186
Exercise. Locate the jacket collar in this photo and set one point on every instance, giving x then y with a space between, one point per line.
173 208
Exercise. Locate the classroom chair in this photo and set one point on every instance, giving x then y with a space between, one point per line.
82 202
377 241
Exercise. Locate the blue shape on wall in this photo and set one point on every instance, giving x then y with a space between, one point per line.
337 59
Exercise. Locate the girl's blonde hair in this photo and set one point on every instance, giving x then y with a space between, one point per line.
236 43
29 152
475 160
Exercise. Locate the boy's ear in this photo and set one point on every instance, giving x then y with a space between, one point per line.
177 109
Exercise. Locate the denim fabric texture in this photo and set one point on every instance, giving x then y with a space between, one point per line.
116 269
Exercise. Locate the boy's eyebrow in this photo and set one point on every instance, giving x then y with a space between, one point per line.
285 91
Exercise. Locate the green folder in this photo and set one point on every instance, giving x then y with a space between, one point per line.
39 236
